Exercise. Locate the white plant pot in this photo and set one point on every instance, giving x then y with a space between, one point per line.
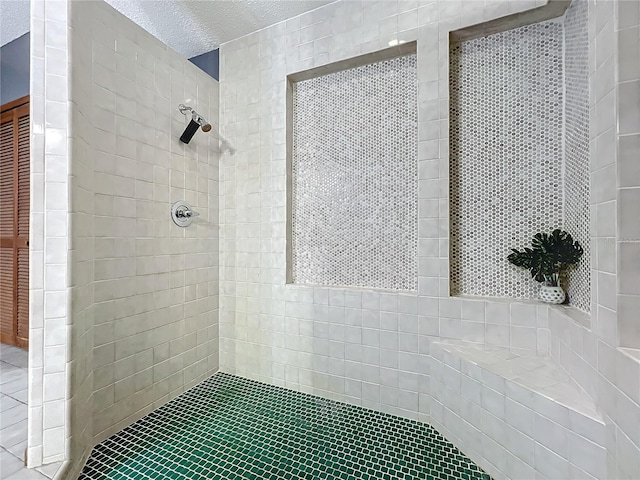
551 294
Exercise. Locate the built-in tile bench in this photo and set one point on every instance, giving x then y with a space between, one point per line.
517 416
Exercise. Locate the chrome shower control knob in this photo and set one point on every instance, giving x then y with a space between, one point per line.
182 214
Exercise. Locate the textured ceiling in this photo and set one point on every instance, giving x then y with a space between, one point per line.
190 27
14 19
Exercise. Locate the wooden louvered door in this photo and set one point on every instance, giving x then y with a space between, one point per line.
14 223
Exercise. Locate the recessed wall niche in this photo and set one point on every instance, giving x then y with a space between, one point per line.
519 152
353 173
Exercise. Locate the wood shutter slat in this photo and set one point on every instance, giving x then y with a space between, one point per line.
7 253
23 177
23 297
7 314
14 224
6 178
22 287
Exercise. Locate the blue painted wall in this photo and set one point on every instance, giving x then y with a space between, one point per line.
14 69
209 62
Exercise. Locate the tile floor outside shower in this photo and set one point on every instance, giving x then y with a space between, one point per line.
229 427
13 417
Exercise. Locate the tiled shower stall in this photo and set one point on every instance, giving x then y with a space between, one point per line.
125 306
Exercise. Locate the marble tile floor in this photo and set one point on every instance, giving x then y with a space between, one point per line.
13 417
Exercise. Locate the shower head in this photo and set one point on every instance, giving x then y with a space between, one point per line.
196 121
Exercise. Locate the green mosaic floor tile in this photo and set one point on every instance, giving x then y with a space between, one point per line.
229 427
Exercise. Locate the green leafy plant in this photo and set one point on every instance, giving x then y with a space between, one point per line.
548 257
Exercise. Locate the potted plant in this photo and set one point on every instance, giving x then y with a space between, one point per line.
548 257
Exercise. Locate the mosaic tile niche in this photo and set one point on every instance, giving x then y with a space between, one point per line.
576 147
506 128
354 177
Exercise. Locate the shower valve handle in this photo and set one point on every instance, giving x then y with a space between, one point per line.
182 214
186 213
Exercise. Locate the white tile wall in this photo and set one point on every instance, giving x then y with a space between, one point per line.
48 236
509 413
138 310
253 293
81 237
155 284
628 173
627 381
373 348
152 321
592 356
